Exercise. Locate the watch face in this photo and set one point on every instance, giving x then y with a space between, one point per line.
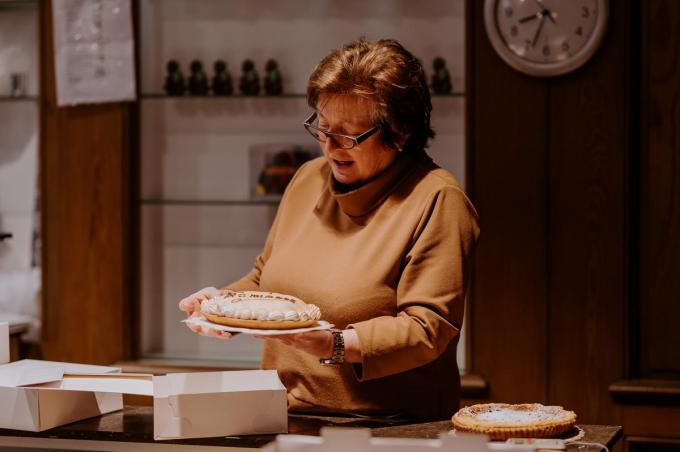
545 37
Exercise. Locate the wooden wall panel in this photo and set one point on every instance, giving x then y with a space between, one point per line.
646 444
652 421
549 171
588 156
84 196
660 207
507 137
607 173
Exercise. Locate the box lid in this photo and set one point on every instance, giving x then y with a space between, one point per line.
207 382
31 372
139 384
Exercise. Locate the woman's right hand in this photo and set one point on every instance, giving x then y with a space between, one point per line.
192 305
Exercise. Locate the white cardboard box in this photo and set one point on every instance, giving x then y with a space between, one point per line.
42 395
198 405
26 407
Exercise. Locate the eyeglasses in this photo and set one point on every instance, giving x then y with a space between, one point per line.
343 141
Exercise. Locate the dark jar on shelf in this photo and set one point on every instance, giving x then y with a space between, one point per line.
198 80
174 79
222 84
249 84
273 83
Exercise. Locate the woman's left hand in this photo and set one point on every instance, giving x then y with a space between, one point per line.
317 343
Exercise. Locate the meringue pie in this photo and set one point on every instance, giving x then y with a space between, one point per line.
260 310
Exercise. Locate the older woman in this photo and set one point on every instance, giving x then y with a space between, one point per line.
376 235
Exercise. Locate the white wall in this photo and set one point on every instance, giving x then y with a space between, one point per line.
19 283
197 149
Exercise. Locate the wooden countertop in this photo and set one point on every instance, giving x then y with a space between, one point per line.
134 424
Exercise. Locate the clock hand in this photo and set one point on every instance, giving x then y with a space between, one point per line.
528 18
538 31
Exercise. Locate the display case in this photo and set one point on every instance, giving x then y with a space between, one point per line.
202 219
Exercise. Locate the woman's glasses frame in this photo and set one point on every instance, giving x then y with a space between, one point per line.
343 141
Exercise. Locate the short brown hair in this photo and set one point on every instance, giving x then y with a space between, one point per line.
387 74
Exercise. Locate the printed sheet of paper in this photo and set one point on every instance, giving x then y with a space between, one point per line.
94 51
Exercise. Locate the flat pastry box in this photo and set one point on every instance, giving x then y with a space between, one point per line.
38 395
334 439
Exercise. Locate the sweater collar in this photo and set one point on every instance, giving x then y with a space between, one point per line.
363 200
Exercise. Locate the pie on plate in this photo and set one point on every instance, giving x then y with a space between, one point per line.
501 421
260 310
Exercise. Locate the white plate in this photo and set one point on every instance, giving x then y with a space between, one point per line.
203 322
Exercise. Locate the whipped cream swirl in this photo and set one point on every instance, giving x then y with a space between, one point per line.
269 306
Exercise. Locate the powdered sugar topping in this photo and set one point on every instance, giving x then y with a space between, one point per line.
512 415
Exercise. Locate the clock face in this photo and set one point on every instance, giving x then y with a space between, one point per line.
545 37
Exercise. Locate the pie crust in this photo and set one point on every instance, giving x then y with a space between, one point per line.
501 421
260 310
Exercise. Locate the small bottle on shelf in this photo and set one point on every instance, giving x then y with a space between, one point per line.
441 79
18 84
273 84
198 80
249 84
174 80
222 84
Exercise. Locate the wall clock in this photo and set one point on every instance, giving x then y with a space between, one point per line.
545 37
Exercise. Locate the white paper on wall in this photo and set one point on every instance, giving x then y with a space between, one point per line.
94 51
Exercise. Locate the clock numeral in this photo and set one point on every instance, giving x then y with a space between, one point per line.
546 51
585 12
513 30
579 31
508 12
565 46
527 45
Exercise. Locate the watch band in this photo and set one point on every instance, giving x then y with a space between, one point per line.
338 355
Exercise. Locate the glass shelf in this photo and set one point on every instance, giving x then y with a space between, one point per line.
7 98
215 202
232 96
11 4
261 96
451 94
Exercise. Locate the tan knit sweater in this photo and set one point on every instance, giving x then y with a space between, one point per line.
391 260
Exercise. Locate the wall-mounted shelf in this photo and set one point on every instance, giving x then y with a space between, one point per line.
206 202
6 98
11 4
261 96
232 96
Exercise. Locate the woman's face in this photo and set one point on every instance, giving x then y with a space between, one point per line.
350 115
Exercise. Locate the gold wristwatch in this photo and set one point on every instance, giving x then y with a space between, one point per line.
338 356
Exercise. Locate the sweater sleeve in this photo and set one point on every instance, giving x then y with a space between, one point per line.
430 291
